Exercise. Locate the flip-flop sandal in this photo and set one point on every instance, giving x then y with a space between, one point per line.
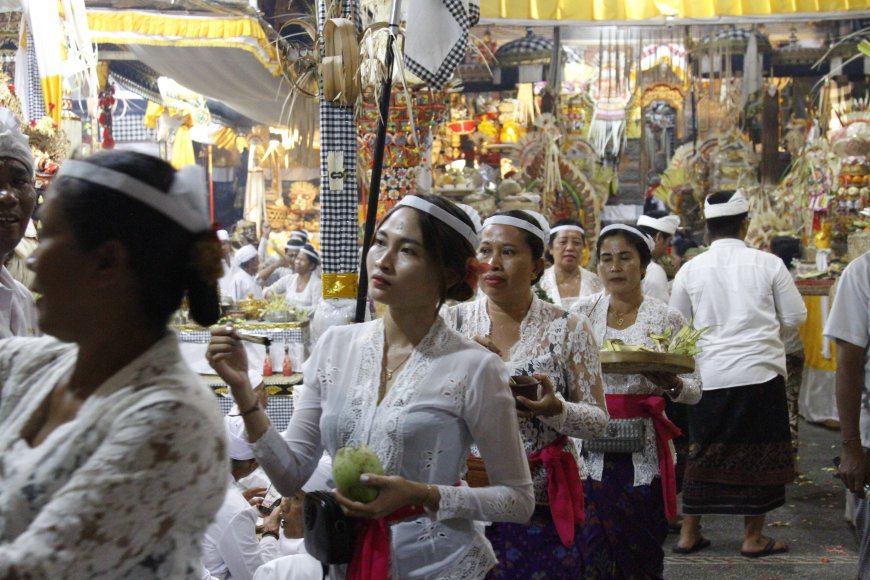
768 550
696 547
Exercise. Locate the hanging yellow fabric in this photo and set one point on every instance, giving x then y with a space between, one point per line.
182 148
44 21
605 10
154 29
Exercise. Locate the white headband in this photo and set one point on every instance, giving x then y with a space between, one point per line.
667 224
307 252
457 224
506 220
245 254
567 228
472 215
738 204
632 230
185 203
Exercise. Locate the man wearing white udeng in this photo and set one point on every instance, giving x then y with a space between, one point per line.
17 200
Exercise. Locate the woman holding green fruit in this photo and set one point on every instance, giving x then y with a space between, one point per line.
630 495
412 390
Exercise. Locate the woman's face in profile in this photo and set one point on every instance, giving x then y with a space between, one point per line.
400 270
62 274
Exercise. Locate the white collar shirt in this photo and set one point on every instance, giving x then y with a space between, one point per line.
655 283
230 548
17 311
744 296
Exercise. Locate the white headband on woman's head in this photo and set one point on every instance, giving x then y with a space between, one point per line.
312 253
567 228
632 230
506 220
185 203
444 216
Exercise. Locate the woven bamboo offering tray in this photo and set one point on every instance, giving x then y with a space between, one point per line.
632 362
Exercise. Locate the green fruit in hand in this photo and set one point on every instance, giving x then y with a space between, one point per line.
348 465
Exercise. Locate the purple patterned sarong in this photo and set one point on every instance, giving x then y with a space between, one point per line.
534 550
625 525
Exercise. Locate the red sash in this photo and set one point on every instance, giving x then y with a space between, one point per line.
652 406
564 488
371 554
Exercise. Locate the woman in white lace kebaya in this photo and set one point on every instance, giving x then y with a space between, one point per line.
302 288
540 339
631 496
112 454
567 280
417 393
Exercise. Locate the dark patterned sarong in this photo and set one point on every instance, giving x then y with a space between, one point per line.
534 550
741 456
625 525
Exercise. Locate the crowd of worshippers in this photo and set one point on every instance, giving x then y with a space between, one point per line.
116 462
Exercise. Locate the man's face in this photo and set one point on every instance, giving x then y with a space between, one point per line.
662 241
17 199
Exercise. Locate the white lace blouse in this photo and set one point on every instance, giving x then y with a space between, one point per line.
652 316
307 299
560 345
449 394
590 284
127 488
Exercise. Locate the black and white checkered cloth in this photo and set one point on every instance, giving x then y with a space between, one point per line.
35 100
279 408
277 335
339 218
131 128
466 15
736 36
532 49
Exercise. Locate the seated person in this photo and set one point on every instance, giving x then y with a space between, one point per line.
247 263
230 548
296 563
303 288
281 266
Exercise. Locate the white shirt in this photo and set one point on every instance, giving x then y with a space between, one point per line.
652 316
244 284
307 299
230 548
18 315
562 346
655 283
849 320
450 393
294 564
127 487
589 284
744 296
225 283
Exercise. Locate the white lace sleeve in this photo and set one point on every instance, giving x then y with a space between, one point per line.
691 392
491 418
584 415
289 460
154 472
